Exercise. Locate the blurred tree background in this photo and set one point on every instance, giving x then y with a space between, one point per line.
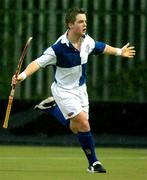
115 22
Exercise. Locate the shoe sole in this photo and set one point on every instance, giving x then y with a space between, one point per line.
95 171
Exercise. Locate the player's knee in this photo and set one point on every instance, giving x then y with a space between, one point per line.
84 126
79 126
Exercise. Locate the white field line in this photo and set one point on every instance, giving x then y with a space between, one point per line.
70 158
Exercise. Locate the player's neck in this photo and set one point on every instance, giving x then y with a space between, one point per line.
73 38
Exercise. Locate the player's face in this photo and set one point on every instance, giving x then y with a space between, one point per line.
80 25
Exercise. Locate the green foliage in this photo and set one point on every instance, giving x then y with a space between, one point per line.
125 85
44 20
129 84
4 83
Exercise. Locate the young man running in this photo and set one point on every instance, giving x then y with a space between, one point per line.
69 55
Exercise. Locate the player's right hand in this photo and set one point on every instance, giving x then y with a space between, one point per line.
16 79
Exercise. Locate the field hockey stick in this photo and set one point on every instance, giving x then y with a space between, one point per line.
12 92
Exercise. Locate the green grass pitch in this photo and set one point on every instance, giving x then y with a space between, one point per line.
63 163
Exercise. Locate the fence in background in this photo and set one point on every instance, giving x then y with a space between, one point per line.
115 22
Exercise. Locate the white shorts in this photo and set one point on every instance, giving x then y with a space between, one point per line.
71 102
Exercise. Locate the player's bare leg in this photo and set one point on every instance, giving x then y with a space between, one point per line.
79 123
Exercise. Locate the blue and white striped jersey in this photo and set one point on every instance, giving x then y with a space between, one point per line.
70 63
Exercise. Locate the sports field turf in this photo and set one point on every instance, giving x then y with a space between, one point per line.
59 163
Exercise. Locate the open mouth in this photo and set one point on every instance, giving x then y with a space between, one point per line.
84 30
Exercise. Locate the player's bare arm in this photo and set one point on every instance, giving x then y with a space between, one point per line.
30 69
126 51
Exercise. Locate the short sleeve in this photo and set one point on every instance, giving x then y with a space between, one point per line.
99 48
47 58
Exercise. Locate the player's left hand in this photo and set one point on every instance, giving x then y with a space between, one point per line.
128 51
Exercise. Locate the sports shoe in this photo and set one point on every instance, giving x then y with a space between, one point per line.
96 168
45 104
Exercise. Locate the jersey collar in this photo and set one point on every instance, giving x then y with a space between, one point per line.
64 39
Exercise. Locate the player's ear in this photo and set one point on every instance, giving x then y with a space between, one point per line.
70 25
